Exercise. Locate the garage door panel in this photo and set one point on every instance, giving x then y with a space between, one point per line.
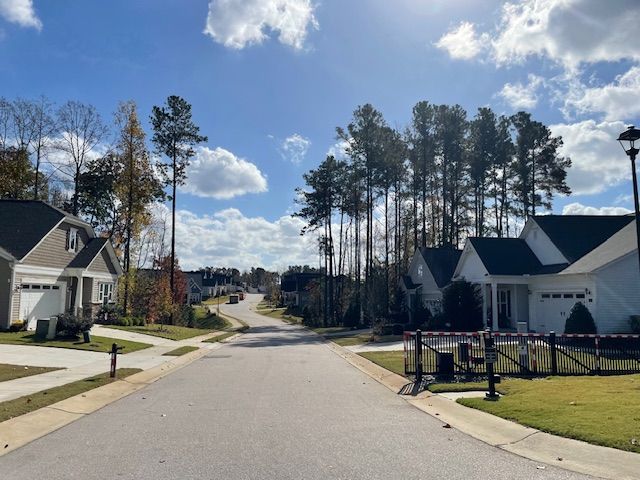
40 301
553 309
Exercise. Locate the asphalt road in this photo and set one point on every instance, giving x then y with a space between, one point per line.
275 404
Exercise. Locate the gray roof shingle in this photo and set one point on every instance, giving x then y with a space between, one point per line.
88 253
442 263
23 223
506 256
577 235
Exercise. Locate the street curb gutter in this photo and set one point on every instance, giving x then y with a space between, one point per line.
19 431
565 453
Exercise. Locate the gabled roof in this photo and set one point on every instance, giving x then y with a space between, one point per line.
88 253
196 277
577 235
408 283
506 256
442 263
23 223
619 245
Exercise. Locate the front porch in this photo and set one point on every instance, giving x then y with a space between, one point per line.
505 304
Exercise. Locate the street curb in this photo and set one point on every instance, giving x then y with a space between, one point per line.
526 442
19 431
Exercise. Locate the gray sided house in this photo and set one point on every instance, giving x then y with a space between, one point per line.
194 287
557 261
51 262
429 272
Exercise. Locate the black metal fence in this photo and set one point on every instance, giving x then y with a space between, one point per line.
520 354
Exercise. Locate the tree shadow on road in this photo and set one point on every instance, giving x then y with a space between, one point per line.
276 336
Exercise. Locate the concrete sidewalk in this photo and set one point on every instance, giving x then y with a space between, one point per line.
80 364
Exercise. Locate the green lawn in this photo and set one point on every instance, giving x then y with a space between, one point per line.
599 410
393 361
279 314
11 372
353 339
220 338
97 344
181 351
325 330
29 403
207 320
461 387
172 332
215 300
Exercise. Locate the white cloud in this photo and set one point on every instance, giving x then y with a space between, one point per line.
20 12
229 238
339 150
462 42
240 23
294 148
569 32
615 100
218 173
579 209
519 95
598 162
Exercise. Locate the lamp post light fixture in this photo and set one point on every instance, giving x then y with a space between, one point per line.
627 139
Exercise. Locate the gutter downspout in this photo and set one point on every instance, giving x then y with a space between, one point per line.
12 282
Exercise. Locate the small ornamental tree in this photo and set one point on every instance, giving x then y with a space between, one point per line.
462 307
580 320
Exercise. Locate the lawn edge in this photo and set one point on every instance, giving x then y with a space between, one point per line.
530 443
20 431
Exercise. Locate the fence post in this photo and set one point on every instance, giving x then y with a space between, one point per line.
418 356
597 345
554 354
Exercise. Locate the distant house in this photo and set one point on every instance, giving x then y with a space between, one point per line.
429 272
215 284
51 262
194 287
558 260
294 288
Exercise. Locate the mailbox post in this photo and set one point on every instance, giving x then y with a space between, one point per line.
114 355
490 358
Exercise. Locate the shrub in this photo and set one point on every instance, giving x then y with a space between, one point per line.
462 307
108 315
18 326
72 326
580 320
634 323
421 317
397 329
352 315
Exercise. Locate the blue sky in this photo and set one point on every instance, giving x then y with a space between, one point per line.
269 80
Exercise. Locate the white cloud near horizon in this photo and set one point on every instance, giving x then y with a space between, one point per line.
240 23
568 32
20 12
218 173
294 148
580 209
598 162
228 238
519 95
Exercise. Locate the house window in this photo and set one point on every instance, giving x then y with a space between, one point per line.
504 303
105 293
72 240
420 271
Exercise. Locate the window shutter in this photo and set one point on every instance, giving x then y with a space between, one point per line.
68 240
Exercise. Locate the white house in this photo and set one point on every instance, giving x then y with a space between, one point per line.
429 272
557 261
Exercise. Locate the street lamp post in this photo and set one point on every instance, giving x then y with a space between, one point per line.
628 139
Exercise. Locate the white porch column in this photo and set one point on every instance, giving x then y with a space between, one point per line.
494 306
78 303
484 304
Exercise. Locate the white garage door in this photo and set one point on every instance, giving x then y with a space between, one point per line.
553 310
40 301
